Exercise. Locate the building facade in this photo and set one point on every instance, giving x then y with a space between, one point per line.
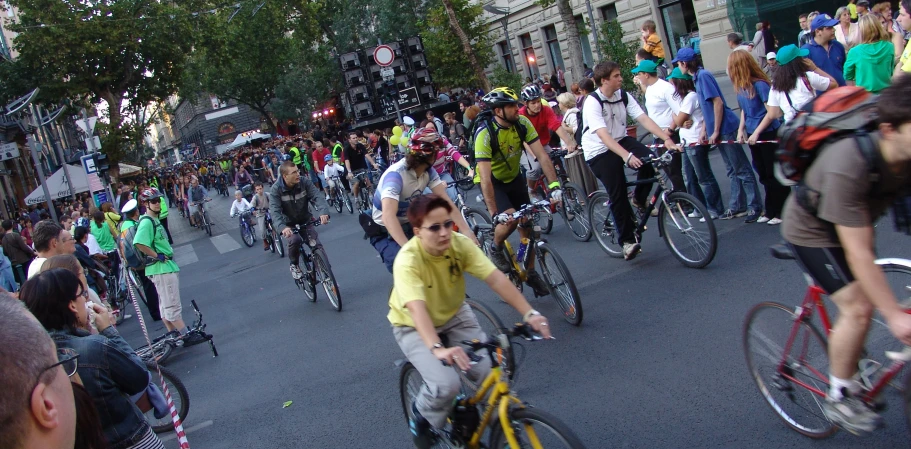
208 123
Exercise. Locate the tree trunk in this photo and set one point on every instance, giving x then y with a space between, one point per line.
466 46
572 41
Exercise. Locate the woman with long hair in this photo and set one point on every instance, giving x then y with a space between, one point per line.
110 370
753 87
793 85
111 217
869 64
845 31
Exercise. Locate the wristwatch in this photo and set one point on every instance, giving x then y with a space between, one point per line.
530 314
436 346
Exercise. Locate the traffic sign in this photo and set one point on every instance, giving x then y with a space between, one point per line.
383 55
87 125
407 99
88 164
9 151
93 143
387 73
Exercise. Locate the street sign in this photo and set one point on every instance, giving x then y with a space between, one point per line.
93 143
100 197
383 55
407 99
88 164
9 151
94 182
387 73
87 125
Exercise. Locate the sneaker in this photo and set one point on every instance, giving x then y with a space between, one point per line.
327 197
499 258
752 216
729 214
695 214
296 272
536 282
852 415
775 221
193 338
421 431
712 215
631 250
763 219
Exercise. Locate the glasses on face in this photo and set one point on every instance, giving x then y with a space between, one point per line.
448 224
428 148
66 359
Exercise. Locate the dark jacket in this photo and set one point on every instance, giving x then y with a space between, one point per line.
290 207
16 249
111 372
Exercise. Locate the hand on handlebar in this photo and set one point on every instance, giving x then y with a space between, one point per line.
323 219
540 325
453 356
633 161
287 232
556 196
671 145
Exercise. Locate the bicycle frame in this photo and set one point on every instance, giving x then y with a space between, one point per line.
500 399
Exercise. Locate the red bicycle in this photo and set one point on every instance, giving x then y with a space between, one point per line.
787 355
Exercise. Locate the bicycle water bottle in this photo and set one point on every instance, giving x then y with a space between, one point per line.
523 246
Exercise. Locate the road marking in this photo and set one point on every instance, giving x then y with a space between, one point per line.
185 255
225 243
173 435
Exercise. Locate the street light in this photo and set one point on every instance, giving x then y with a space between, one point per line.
500 11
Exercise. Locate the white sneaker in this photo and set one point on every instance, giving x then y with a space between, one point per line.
714 217
327 197
762 219
296 272
775 221
694 214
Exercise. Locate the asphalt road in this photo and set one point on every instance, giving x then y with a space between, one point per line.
657 362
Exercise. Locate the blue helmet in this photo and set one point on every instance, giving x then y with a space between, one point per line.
327 158
286 157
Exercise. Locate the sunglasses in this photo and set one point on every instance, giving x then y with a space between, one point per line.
428 148
436 227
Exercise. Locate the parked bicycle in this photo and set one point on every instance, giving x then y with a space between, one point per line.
691 240
273 237
339 197
202 216
556 274
163 346
179 397
316 270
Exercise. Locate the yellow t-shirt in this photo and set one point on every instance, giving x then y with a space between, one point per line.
906 58
654 47
438 281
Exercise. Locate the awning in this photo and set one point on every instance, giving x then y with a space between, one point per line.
127 170
57 185
242 140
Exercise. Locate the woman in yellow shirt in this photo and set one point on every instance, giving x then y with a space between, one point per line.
111 217
427 301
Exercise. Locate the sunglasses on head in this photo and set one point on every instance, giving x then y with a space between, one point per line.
448 224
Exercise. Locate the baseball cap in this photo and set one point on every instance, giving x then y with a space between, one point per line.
129 206
408 121
863 3
823 20
677 74
770 55
684 55
789 53
646 66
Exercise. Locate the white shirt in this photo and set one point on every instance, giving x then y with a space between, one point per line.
661 103
92 245
569 119
402 185
690 105
35 266
332 170
612 116
240 206
800 95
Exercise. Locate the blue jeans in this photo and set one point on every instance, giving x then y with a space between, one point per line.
740 172
700 181
388 248
450 190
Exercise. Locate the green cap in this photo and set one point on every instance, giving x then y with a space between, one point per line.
789 53
646 66
677 74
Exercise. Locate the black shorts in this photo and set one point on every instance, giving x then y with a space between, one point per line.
827 266
511 195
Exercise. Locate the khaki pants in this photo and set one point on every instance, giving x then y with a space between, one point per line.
441 383
168 288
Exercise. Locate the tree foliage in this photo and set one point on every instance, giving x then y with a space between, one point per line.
623 53
449 63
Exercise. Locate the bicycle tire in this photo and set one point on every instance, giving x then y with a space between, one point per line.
545 219
246 234
559 435
563 289
475 217
410 384
348 203
879 339
574 212
277 243
603 227
159 353
491 325
179 396
205 218
324 275
767 347
702 236
337 200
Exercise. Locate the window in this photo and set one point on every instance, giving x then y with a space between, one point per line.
507 57
608 12
584 41
528 52
553 47
679 23
226 128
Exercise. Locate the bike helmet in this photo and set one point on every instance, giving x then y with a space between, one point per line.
327 158
531 92
150 194
425 136
500 97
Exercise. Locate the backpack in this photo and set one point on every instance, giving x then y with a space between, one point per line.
136 259
484 120
580 130
370 227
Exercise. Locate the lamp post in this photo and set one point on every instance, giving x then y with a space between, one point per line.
500 11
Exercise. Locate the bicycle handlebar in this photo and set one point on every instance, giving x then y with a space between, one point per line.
526 210
297 228
499 341
658 161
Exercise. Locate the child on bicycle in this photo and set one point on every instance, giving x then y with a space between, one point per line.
240 206
332 171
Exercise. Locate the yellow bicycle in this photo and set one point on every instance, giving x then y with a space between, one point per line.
512 423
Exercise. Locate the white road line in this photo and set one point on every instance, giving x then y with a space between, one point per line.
185 255
173 435
225 243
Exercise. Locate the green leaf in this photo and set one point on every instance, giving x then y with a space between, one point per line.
287 404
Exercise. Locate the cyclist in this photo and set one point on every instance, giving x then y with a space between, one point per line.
356 158
607 148
331 172
289 201
261 203
502 183
242 178
399 185
829 225
441 165
545 121
427 301
196 194
240 206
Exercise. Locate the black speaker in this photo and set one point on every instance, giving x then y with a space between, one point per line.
350 60
360 93
404 82
415 45
418 61
422 77
355 77
425 93
364 110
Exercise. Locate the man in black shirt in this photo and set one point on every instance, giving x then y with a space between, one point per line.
356 157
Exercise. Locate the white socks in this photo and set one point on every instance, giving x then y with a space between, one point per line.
836 385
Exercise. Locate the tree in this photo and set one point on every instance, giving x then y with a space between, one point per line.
571 28
119 52
313 79
448 57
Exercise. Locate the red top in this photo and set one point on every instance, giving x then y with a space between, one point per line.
545 122
318 157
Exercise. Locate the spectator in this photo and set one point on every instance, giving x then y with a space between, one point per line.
561 79
18 251
50 240
576 168
808 36
845 30
824 50
852 10
904 19
7 278
870 63
735 42
804 28
651 42
772 59
793 85
759 44
25 229
464 104
863 8
71 263
37 407
586 87
883 12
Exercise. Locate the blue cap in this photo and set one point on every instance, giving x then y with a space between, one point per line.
684 55
823 20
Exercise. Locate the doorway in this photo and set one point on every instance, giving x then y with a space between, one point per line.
680 25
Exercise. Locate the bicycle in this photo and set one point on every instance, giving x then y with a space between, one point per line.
163 346
338 196
675 217
202 217
179 397
365 193
573 205
272 236
559 281
512 422
247 229
316 269
471 215
796 360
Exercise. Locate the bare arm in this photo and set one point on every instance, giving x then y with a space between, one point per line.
424 325
718 107
772 113
391 221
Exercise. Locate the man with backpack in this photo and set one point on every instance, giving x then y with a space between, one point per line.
134 259
828 223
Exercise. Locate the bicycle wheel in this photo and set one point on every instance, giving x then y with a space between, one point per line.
492 326
574 212
602 223
531 424
246 234
307 283
692 242
324 276
277 243
475 217
158 354
205 218
179 396
766 332
337 200
879 338
560 283
545 219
